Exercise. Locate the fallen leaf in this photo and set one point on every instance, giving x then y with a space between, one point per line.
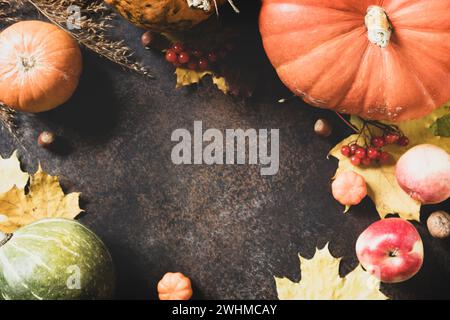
45 199
221 84
10 173
320 280
186 77
442 126
382 186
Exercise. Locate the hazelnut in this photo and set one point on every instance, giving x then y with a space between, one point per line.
322 128
46 139
438 224
154 40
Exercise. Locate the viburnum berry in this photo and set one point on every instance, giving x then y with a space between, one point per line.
391 138
385 157
171 56
360 153
378 142
183 57
355 160
403 141
197 53
178 47
366 161
345 150
203 64
373 153
353 148
212 57
192 65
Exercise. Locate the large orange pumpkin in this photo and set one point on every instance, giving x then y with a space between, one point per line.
380 59
40 66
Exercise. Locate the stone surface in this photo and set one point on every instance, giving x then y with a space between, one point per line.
226 227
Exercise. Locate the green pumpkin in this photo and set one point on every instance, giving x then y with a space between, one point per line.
55 259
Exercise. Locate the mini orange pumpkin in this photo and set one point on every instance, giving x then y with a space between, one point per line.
40 66
174 286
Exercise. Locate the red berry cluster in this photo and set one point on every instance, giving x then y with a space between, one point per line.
194 59
366 156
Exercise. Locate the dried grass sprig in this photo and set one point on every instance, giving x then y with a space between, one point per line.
9 11
96 21
235 8
8 120
230 2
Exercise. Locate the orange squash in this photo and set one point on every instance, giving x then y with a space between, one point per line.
379 59
174 286
40 66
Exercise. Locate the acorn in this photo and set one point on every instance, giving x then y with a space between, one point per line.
153 40
46 139
323 128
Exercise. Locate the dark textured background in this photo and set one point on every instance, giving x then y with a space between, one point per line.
229 229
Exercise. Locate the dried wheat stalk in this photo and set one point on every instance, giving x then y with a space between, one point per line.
9 11
94 24
8 119
8 14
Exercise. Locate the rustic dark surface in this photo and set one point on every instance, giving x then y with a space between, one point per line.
227 227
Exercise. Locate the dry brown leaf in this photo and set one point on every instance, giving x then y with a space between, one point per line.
45 199
10 174
320 280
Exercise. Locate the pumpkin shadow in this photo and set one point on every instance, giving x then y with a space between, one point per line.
92 112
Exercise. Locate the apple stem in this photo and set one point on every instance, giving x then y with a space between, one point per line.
393 253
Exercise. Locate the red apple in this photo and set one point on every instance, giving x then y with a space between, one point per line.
391 250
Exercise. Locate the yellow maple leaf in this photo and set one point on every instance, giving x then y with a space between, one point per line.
221 84
45 199
382 186
10 173
320 280
186 77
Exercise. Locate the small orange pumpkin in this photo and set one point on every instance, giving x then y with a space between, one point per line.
40 66
174 286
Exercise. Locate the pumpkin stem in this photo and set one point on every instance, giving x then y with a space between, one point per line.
378 26
27 63
4 238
